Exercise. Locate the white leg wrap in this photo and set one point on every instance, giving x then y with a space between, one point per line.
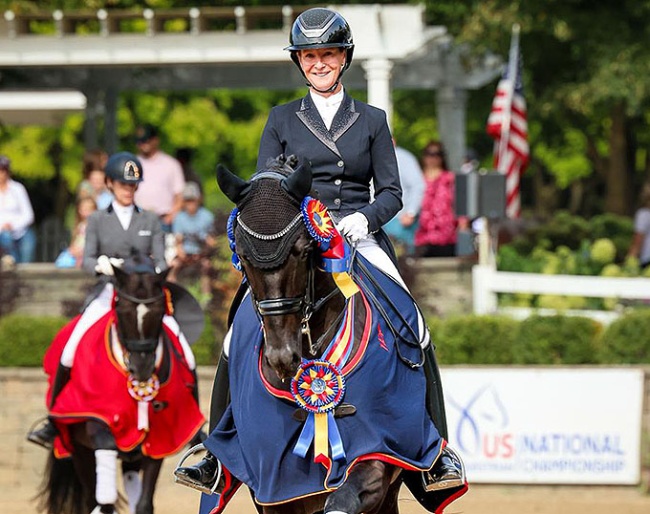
106 475
335 512
133 488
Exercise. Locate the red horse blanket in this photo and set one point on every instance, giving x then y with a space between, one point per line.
97 389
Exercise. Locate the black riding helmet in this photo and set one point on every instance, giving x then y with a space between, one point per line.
124 167
321 28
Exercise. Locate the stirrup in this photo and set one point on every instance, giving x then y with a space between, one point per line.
194 484
432 482
33 435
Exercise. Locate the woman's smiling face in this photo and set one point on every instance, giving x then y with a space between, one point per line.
322 67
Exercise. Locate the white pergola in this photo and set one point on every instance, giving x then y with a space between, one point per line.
230 48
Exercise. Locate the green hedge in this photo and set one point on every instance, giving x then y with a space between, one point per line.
24 339
494 340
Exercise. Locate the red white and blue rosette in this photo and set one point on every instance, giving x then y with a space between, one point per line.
318 387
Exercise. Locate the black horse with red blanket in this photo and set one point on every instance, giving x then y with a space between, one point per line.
131 394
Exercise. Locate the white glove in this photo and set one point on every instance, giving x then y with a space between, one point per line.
354 227
105 265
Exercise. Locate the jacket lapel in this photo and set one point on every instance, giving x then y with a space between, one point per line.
344 118
308 114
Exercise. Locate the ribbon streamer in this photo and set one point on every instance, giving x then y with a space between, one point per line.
143 415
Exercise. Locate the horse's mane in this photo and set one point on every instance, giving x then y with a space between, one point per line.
285 165
139 262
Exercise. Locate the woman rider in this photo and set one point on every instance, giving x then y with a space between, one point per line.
119 231
348 144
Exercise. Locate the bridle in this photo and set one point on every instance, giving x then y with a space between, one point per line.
304 304
138 345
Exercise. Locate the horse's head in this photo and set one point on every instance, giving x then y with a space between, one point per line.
140 306
275 252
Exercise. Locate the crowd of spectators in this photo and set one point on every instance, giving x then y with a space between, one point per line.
427 225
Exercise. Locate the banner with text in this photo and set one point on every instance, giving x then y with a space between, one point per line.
547 426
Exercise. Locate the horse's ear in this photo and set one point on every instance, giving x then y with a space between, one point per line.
298 184
233 187
162 275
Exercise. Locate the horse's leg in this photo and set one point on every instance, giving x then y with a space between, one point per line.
150 472
131 480
105 465
366 490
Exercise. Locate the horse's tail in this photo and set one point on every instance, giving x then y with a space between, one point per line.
61 491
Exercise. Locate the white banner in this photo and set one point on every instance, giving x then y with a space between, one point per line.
548 426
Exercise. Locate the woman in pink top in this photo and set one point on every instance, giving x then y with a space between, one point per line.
436 233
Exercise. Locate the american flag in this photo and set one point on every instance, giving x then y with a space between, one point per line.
508 126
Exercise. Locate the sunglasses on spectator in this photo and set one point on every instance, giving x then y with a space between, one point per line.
433 153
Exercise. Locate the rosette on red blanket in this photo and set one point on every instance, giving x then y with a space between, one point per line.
99 389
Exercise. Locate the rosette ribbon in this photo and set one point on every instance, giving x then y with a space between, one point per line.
318 387
335 252
143 392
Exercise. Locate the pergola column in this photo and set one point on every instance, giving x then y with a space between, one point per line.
91 119
451 104
110 119
378 73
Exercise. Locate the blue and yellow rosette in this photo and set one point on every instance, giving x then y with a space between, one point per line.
318 387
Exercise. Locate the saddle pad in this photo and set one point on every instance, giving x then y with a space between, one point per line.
256 436
97 389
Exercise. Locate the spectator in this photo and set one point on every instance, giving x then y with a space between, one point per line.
192 227
402 227
436 232
17 236
94 184
640 247
85 207
161 191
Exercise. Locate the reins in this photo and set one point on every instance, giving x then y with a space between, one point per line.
415 342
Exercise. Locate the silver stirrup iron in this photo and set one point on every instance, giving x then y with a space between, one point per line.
192 483
433 483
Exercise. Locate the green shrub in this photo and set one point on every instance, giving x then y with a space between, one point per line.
474 339
24 339
627 339
206 349
557 340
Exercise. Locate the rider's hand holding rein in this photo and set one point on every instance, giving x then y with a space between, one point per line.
105 265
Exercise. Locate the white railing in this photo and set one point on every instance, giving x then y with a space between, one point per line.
487 282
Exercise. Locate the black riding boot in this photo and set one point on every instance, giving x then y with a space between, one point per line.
44 436
204 475
430 487
200 436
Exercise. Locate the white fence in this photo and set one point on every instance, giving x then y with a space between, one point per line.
487 282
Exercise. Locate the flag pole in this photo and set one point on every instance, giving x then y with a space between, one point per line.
513 62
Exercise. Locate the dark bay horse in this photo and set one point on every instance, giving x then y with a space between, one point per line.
302 308
130 364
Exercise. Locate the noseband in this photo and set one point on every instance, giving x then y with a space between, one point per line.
140 345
